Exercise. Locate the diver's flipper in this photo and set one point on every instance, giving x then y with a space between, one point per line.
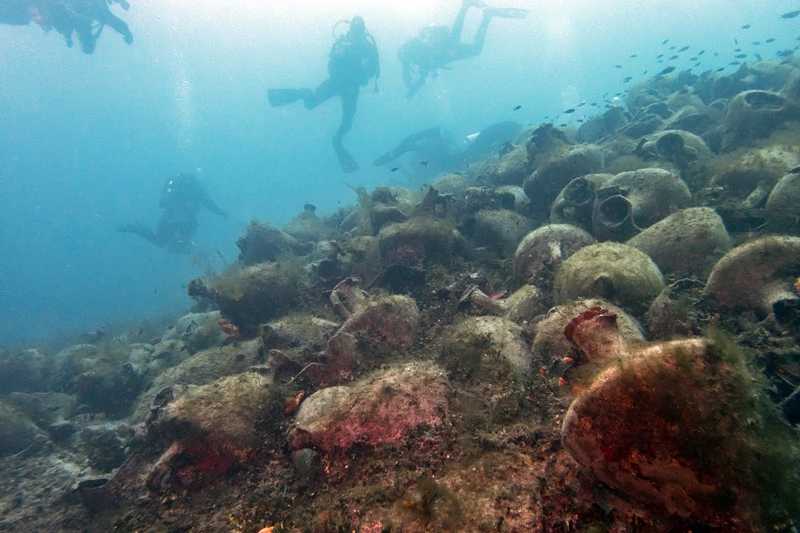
279 97
385 158
506 13
345 159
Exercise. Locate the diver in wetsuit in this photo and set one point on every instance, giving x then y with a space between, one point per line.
353 62
87 18
434 148
436 46
181 199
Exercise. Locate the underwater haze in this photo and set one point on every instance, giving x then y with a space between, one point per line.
87 141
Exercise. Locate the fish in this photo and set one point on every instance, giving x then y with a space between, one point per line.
593 104
617 66
665 41
645 72
395 169
683 49
735 63
736 41
673 57
790 14
770 40
720 69
737 49
672 47
746 27
756 43
517 108
627 79
564 125
701 52
740 56
693 58
423 163
498 295
570 110
697 64
758 57
667 71
582 104
633 56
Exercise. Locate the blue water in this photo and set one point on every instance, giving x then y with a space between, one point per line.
87 141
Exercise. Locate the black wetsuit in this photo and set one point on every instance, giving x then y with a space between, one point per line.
181 200
353 62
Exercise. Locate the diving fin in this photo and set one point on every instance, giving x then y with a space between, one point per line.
345 159
506 13
279 97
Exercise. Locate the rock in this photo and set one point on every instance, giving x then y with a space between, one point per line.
524 304
615 272
307 462
612 216
654 193
500 230
645 427
202 368
783 203
307 227
690 119
486 349
550 345
264 242
17 432
104 448
382 215
756 114
380 408
103 380
642 126
222 414
676 146
213 427
419 240
555 170
23 370
758 276
298 331
542 251
454 184
43 408
392 319
512 169
673 314
575 202
197 331
513 197
686 244
595 128
752 174
257 294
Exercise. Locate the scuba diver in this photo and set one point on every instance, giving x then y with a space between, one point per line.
87 18
181 199
435 149
353 61
436 46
